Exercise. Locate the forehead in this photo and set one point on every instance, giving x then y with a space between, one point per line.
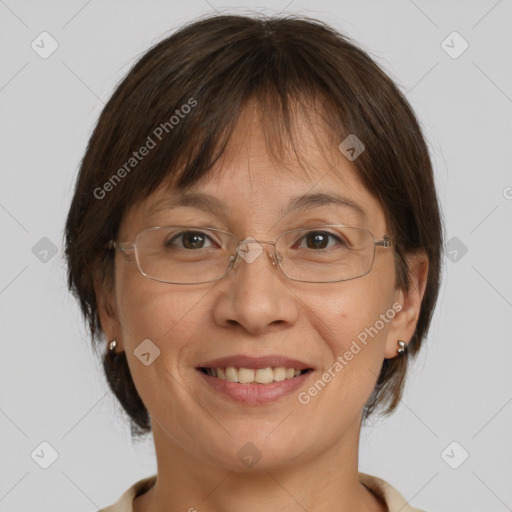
305 170
302 149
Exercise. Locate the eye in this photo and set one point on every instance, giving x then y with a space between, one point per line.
189 240
319 240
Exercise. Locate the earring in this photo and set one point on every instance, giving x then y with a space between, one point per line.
402 347
112 345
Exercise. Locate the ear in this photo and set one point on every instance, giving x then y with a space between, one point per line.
107 311
404 323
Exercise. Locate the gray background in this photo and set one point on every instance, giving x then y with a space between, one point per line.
51 387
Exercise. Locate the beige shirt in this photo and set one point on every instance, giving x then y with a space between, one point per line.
393 499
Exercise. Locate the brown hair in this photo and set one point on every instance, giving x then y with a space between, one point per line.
190 89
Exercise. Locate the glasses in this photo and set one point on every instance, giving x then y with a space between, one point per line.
195 255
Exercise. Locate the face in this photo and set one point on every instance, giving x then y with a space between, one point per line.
256 312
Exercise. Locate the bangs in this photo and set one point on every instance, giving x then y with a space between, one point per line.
293 111
291 128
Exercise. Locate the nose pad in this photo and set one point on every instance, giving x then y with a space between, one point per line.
271 256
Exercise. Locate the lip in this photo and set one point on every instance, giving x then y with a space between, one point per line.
254 394
244 361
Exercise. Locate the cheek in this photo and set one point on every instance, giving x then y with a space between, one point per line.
158 311
353 319
354 316
352 322
163 321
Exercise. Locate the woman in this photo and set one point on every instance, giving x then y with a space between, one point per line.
255 240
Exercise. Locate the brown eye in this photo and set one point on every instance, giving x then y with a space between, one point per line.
320 240
188 240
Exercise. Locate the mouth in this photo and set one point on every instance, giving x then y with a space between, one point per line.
254 381
254 375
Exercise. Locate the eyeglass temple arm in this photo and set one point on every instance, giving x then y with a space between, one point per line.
385 242
123 247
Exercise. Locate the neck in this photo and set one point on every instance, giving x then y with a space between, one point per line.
329 481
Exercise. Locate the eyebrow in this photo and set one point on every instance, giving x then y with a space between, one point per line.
311 200
198 200
207 202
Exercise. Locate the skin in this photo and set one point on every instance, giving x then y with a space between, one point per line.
309 452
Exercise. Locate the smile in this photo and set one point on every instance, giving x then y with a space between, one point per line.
254 375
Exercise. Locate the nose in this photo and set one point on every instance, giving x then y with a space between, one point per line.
254 294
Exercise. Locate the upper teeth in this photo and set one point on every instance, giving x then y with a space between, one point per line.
248 375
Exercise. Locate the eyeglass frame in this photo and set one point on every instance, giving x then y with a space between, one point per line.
385 242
